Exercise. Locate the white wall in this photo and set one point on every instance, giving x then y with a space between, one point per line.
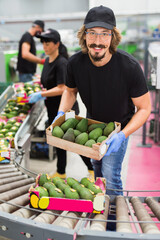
128 6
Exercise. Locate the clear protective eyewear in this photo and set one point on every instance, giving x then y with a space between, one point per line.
103 36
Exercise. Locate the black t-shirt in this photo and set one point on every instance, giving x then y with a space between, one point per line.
107 91
24 66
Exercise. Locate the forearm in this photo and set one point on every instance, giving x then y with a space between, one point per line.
67 101
56 91
138 119
31 57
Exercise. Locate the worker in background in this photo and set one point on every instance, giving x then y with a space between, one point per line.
27 59
53 78
111 84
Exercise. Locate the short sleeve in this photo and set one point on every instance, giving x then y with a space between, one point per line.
138 85
61 73
70 81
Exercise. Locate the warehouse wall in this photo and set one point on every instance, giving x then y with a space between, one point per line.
14 22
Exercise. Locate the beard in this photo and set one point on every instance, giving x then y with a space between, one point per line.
96 57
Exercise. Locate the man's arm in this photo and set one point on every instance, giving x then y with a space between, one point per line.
143 105
56 91
27 55
68 99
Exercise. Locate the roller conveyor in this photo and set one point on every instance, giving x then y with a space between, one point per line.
135 217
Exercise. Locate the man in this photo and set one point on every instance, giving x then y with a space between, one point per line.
111 84
27 59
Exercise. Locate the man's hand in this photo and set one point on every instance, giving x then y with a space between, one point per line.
35 97
59 114
115 142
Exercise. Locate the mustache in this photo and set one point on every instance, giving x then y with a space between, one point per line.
97 46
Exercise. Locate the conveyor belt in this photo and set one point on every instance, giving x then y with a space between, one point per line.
136 217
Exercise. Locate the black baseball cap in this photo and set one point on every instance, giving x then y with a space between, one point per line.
100 17
50 34
39 23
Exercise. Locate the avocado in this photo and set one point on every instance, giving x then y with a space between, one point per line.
57 132
101 139
96 125
69 123
49 185
77 186
2 135
85 181
13 129
69 135
10 134
56 192
76 132
62 185
71 181
94 188
86 194
108 129
8 126
17 124
42 191
43 179
82 126
82 138
55 179
89 143
71 193
12 121
96 133
4 131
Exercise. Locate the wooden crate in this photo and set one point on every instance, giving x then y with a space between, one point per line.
97 151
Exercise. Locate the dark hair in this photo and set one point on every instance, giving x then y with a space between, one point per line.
63 50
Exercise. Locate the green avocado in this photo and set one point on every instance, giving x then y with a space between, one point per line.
71 181
69 135
71 193
49 185
77 186
57 132
43 179
101 139
94 188
96 133
89 143
82 138
82 126
62 185
55 179
85 181
56 192
69 123
86 193
42 191
96 125
108 129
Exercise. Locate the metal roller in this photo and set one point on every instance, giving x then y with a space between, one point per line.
21 200
12 179
142 215
24 213
122 215
8 170
98 225
46 217
17 184
155 206
7 175
69 222
6 196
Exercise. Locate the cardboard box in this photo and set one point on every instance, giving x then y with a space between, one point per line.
97 151
66 204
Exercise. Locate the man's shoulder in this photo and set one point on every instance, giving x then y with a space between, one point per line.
77 57
26 37
126 57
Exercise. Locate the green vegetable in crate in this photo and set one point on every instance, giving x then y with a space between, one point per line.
101 139
17 124
57 132
13 129
94 188
96 133
82 138
12 121
10 134
108 129
1 135
69 123
43 179
62 185
55 179
69 135
4 131
76 132
85 181
71 193
89 143
86 193
71 181
49 185
96 125
77 186
82 126
1 125
8 126
42 191
56 192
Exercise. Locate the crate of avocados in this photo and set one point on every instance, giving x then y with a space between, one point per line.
68 195
80 135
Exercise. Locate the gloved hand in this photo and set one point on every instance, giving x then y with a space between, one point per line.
43 61
115 142
35 97
59 114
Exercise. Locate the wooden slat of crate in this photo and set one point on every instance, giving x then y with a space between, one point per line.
95 152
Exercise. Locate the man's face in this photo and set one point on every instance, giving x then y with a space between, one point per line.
38 30
98 41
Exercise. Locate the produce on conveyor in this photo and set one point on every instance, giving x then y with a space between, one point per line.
75 193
